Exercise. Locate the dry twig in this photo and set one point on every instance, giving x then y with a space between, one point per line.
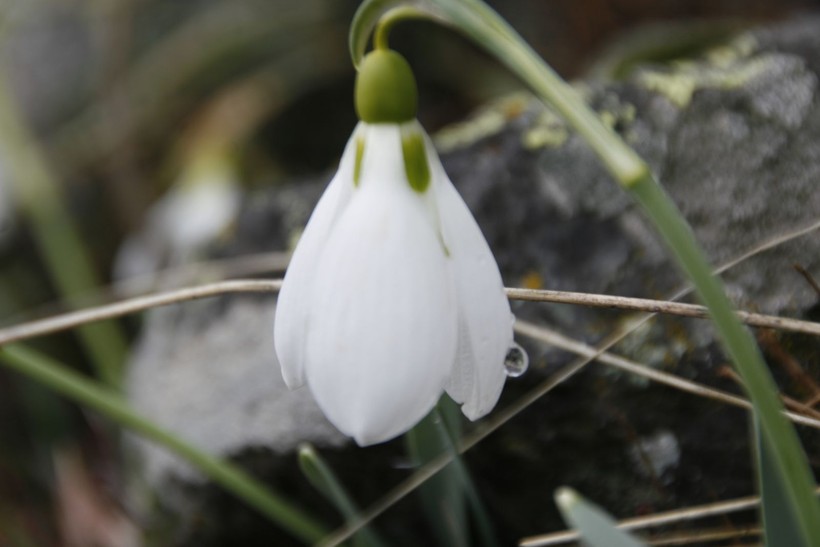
71 320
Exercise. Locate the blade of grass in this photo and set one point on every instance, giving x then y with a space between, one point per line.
321 476
597 528
779 522
442 497
449 430
58 240
787 456
87 393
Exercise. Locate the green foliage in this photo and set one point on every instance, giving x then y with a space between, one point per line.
442 496
780 524
57 236
92 395
321 476
596 527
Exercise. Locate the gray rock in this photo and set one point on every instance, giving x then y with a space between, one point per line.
207 371
732 137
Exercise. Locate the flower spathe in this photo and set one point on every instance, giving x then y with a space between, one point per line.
392 295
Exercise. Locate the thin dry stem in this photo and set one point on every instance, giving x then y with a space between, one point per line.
808 277
553 338
70 320
795 405
175 277
659 306
699 537
75 319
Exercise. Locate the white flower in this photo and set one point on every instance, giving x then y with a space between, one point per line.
392 295
200 206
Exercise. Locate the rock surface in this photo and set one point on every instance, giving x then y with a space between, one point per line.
733 136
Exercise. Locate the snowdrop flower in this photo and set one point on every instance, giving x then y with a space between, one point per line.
392 295
200 207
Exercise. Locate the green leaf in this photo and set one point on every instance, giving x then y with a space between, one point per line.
788 460
780 524
321 476
111 405
442 496
56 235
596 527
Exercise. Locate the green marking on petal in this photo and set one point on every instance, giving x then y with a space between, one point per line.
357 167
415 161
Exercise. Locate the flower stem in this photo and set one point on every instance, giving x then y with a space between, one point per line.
86 392
389 20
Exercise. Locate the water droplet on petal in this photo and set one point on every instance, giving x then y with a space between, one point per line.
516 361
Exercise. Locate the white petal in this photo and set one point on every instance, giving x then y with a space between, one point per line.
198 208
485 320
291 321
382 338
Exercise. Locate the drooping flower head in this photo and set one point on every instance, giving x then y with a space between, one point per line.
392 295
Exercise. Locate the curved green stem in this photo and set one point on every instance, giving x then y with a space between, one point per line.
390 19
86 392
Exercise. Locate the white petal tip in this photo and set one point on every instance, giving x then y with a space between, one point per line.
365 435
475 412
366 440
293 383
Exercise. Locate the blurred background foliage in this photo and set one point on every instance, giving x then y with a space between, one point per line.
123 97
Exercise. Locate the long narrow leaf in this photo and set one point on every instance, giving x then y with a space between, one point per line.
449 431
779 521
56 234
442 496
321 476
88 393
596 527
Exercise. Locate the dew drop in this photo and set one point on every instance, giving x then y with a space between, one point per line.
516 361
